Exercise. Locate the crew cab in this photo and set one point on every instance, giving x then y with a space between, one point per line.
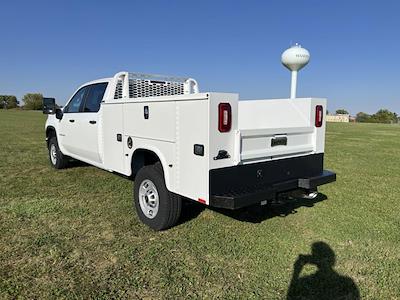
177 142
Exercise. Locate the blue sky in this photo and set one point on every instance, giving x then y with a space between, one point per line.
228 46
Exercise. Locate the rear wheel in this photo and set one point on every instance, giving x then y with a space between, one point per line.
155 205
57 159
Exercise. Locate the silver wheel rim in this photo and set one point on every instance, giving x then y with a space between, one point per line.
148 198
53 154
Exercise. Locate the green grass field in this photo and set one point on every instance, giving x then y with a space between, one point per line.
74 234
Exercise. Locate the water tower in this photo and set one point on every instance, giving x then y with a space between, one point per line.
295 58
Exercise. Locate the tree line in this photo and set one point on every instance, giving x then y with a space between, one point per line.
381 116
32 101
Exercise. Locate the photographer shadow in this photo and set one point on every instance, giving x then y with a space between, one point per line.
325 283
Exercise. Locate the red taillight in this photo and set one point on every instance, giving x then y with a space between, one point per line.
319 112
224 117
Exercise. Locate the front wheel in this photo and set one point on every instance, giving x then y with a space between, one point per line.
57 159
155 205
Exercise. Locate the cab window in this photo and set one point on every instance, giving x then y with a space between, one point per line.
94 97
75 104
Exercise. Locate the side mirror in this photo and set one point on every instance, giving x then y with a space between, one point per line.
59 114
49 106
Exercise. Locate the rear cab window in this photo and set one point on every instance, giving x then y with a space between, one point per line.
87 99
94 97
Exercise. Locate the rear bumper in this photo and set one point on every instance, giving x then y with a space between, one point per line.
245 185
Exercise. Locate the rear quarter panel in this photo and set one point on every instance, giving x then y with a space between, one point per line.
222 140
192 128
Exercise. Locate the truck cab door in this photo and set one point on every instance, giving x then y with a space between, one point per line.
89 123
79 126
68 127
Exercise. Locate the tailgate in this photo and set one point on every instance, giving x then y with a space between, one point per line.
274 129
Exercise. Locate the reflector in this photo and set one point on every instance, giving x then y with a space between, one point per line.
224 117
318 115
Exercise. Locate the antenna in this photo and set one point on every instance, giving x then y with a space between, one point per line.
295 58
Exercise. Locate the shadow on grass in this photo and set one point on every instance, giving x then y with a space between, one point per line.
258 214
190 211
325 283
252 214
73 163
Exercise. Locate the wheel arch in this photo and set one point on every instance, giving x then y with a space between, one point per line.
50 132
145 156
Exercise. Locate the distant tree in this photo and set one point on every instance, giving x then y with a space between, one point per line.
33 101
362 117
342 112
384 116
9 100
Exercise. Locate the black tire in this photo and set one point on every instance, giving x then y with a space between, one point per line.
169 204
60 161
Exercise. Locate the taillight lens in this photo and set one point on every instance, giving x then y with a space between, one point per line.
319 112
224 117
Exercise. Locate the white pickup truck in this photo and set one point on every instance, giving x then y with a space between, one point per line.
177 142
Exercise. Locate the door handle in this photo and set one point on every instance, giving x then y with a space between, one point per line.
72 120
92 122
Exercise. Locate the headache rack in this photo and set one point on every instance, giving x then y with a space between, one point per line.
137 85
